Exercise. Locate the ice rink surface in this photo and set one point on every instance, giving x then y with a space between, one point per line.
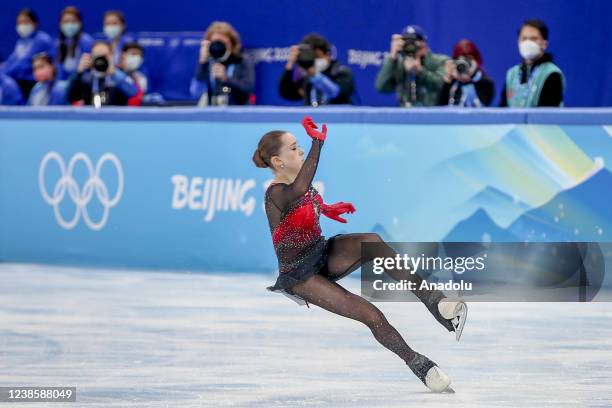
157 339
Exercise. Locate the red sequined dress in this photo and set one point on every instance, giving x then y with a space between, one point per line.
293 215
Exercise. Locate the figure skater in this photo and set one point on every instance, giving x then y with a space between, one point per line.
310 265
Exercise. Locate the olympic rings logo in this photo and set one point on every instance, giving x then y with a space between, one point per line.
80 197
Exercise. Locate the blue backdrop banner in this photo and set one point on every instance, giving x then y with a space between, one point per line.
178 189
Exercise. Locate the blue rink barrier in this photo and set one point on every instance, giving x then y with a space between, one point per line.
176 188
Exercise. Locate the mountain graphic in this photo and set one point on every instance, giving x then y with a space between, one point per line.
502 208
479 227
530 162
582 213
593 140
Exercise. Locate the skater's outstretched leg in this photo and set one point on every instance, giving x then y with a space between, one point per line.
345 257
331 296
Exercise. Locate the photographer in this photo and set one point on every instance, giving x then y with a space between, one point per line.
223 76
319 79
537 81
412 70
98 82
465 82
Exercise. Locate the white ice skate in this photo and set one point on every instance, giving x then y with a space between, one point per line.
455 310
430 374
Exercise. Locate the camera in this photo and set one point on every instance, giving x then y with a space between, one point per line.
463 65
306 56
412 44
100 64
218 51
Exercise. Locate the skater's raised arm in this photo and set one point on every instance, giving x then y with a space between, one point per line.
304 178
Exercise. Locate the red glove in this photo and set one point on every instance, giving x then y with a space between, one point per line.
334 211
311 127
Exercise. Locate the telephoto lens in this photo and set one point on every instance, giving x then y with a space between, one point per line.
306 56
100 64
411 45
463 65
218 51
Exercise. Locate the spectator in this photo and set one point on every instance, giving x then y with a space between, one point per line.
31 42
537 81
224 76
47 90
412 70
10 94
132 57
465 82
319 79
98 82
114 30
72 42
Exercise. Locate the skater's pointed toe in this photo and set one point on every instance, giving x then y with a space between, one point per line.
429 373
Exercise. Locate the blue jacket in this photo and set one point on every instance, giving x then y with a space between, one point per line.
118 87
10 94
19 63
48 93
69 66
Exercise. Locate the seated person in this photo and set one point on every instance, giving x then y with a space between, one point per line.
72 42
47 90
31 42
98 82
114 28
311 74
132 57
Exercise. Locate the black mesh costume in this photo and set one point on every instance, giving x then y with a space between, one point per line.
310 265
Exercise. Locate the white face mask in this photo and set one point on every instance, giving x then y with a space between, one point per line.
70 29
133 62
24 30
529 50
321 64
111 31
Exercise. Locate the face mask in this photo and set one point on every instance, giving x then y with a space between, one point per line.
321 64
133 62
24 30
529 50
70 29
43 74
111 31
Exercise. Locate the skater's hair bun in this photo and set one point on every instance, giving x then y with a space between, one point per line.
269 145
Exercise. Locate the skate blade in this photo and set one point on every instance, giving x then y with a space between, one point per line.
461 316
449 390
455 310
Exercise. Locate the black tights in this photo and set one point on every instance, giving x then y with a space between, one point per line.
344 258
